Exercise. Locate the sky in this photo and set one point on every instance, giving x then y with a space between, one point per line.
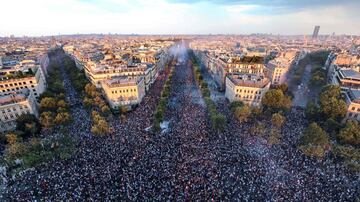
286 17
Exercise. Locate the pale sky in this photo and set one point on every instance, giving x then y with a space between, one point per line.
53 17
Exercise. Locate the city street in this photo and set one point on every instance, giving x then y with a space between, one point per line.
302 92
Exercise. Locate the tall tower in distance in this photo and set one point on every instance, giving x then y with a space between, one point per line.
316 32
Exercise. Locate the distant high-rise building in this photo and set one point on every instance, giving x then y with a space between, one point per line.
316 32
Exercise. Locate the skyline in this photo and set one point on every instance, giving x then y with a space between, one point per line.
43 18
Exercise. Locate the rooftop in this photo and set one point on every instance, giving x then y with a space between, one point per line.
349 73
122 81
249 80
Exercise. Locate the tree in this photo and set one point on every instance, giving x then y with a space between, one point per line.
63 118
12 138
87 102
332 126
100 128
218 121
242 113
91 90
274 137
48 103
314 141
98 101
258 129
278 120
235 105
123 108
105 110
350 134
62 104
275 100
331 103
28 124
47 120
312 111
283 87
256 112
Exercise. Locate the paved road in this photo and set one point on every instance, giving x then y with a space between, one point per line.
301 95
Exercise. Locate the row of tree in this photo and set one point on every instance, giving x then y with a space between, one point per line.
92 98
164 98
54 110
329 131
24 148
218 120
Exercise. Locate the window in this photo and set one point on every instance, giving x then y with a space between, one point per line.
353 108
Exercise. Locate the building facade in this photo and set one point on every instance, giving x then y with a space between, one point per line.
248 88
352 97
123 91
14 105
34 82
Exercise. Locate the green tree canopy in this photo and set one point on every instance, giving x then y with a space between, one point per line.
48 103
91 90
278 120
63 118
314 141
235 105
331 103
350 134
218 122
28 124
242 113
312 111
275 100
47 120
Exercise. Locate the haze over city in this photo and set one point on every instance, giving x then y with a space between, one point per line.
42 17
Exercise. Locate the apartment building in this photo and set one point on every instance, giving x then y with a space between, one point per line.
352 97
278 68
123 91
16 81
345 77
248 88
13 105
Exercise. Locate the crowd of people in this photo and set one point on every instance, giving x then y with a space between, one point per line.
189 162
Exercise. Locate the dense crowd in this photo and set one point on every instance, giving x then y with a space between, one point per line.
190 162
